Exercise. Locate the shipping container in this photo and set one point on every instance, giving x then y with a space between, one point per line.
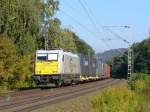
88 66
102 70
107 70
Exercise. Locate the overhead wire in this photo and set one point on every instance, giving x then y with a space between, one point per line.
69 5
80 24
76 21
89 12
83 26
103 27
89 16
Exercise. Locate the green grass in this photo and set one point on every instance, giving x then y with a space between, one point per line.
123 99
115 99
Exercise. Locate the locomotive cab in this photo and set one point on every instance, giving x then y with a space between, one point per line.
46 63
56 67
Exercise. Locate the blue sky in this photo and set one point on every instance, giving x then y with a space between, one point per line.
134 13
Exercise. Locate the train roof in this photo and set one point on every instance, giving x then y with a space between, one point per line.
49 51
56 51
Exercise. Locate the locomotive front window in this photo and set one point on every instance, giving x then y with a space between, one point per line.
52 57
42 57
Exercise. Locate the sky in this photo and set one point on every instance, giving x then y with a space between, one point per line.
90 26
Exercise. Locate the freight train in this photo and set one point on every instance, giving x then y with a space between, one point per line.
59 67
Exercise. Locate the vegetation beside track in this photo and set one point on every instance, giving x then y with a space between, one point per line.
123 99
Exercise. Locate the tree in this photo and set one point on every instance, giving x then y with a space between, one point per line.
142 56
60 38
141 60
82 46
7 58
21 21
22 73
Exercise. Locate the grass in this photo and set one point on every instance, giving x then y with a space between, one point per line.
115 99
123 99
143 100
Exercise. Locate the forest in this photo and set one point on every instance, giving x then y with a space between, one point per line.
23 27
141 60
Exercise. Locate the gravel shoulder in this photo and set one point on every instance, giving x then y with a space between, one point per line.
79 104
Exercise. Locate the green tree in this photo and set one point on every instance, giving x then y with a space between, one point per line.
60 38
141 60
82 46
22 73
21 21
7 59
142 56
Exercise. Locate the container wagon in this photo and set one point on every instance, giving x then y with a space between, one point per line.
88 68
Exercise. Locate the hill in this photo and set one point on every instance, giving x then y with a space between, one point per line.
107 55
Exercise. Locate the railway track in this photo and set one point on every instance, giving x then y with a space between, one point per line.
33 99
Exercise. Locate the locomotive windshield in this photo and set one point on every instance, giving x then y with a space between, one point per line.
52 57
42 57
47 57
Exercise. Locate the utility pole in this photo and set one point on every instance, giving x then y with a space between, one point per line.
46 39
130 63
45 29
149 31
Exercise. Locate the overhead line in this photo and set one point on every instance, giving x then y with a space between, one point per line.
88 11
88 14
117 35
85 8
80 24
83 26
112 32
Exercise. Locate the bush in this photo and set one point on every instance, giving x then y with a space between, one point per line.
117 99
22 73
4 87
139 81
139 85
15 72
7 59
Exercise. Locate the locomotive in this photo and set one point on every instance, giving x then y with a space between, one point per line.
59 67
